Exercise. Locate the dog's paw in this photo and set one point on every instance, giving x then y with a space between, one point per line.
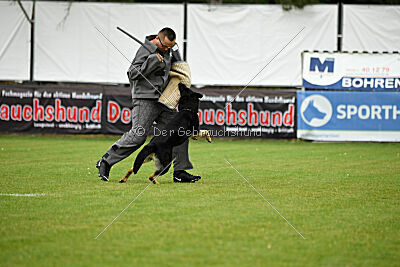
203 133
208 136
122 180
153 180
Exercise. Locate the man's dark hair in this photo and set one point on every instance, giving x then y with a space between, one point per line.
169 33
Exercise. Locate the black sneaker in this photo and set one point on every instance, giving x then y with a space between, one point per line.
185 177
104 170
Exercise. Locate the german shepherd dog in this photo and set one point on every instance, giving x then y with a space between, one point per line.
182 126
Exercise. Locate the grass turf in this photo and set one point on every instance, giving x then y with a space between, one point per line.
343 197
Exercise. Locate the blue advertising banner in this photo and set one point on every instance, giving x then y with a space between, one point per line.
348 116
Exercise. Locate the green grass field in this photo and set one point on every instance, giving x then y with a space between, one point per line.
343 197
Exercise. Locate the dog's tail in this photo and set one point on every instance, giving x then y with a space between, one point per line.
147 150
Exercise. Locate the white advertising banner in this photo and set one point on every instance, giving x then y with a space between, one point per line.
363 72
70 48
371 28
230 44
15 34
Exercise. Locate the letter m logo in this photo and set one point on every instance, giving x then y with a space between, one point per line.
315 63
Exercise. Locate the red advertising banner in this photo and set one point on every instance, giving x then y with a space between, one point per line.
252 113
50 109
107 110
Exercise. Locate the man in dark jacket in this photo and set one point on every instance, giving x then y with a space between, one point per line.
148 76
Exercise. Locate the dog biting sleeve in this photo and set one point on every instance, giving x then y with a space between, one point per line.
180 73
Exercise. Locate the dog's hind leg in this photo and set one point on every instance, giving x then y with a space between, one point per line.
158 166
165 160
125 178
153 177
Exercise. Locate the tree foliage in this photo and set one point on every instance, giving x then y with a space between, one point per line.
286 4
